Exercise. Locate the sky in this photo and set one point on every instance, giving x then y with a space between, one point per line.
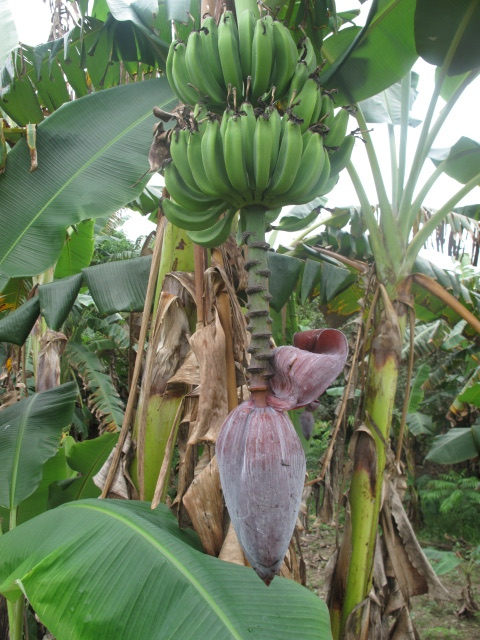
33 24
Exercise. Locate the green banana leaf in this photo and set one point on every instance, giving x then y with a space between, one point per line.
57 298
373 58
15 326
462 161
8 32
29 435
120 285
91 153
420 424
438 23
77 251
97 570
285 271
54 470
103 398
457 445
87 458
387 106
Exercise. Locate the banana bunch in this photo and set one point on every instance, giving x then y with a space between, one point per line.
247 157
248 57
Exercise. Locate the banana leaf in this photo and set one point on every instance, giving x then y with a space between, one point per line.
30 435
91 153
54 470
86 458
77 251
120 285
376 57
57 298
15 326
457 445
462 161
103 398
97 570
438 23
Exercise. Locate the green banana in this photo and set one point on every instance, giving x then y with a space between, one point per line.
246 27
215 235
177 73
247 5
326 110
337 129
288 160
209 36
263 142
276 124
285 58
178 152
229 54
185 195
248 123
298 80
308 53
340 157
324 184
199 67
235 156
195 160
185 219
305 102
214 163
310 169
262 57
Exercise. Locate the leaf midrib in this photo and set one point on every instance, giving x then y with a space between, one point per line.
171 558
81 170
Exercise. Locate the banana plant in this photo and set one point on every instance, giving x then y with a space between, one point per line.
394 241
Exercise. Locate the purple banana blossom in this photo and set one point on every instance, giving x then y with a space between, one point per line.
302 373
262 471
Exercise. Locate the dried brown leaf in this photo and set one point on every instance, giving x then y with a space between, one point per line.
204 503
208 344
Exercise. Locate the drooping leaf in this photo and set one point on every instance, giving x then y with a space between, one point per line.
378 55
442 561
462 161
386 106
100 144
300 217
311 277
77 251
191 592
285 271
29 435
457 445
439 23
103 398
86 458
178 10
119 286
416 391
471 395
419 424
16 326
57 299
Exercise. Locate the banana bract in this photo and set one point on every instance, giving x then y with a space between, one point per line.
302 373
262 471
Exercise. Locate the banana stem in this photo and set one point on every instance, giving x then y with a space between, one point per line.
259 321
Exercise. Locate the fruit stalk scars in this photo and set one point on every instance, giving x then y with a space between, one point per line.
262 471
